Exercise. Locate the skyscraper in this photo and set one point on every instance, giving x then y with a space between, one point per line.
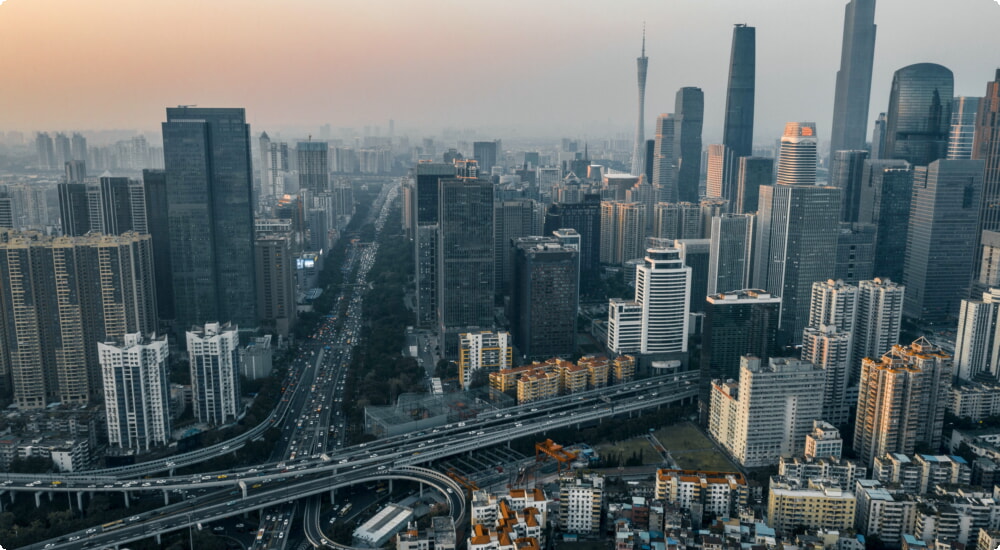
215 368
62 149
585 218
878 138
886 191
942 237
275 268
545 297
738 130
424 213
74 209
155 183
486 153
512 219
641 63
78 147
847 169
797 159
977 352
830 350
720 181
855 259
681 220
919 114
986 147
879 320
663 163
730 257
963 127
753 172
209 191
136 391
314 168
623 231
696 255
663 289
833 303
689 114
45 151
854 79
796 242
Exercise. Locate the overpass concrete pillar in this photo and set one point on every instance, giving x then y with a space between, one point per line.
333 496
390 486
166 497
127 504
158 541
421 488
79 502
170 472
50 494
38 499
243 487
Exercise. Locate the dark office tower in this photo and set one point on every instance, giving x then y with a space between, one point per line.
314 169
424 212
878 137
737 322
738 131
121 207
275 265
796 243
730 254
78 147
847 173
886 190
465 282
585 218
62 149
74 210
940 248
157 220
76 171
689 113
855 252
986 147
753 172
963 127
532 159
696 254
545 298
649 159
854 79
641 65
919 116
663 162
45 150
512 220
486 154
209 191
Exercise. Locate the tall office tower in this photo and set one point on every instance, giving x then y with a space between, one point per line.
963 127
986 147
641 64
424 212
317 223
209 193
855 259
623 231
753 172
545 297
711 207
721 177
833 303
486 153
878 138
796 239
854 79
585 218
941 241
847 170
797 159
886 191
830 349
680 220
649 159
482 351
768 412
155 183
314 167
74 209
663 163
465 270
919 115
624 326
977 347
730 255
136 391
78 147
696 254
45 151
737 323
62 149
215 372
738 131
59 297
275 266
513 219
901 401
647 195
689 115
878 322
663 289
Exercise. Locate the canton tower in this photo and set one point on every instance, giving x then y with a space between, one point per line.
639 147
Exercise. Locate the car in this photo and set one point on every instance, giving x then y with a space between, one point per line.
240 526
74 538
91 530
134 518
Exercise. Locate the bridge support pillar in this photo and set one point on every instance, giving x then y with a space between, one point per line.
158 541
38 500
79 502
243 487
421 488
170 472
333 496
1 505
166 497
50 494
390 486
127 503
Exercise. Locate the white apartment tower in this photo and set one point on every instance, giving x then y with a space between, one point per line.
879 318
215 384
830 349
834 303
624 326
136 391
663 289
977 346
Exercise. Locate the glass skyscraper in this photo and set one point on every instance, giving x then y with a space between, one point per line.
919 116
689 115
738 131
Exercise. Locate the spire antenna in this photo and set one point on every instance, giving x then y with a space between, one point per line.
643 39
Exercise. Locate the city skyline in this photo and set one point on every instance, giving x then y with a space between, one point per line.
350 79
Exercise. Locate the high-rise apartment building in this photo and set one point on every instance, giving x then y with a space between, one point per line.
720 179
977 343
680 220
45 151
213 352
112 206
136 391
581 500
60 297
854 79
274 166
623 231
833 303
76 171
730 255
768 412
919 115
738 130
689 115
423 210
879 320
963 127
886 192
986 147
753 172
275 265
830 349
663 161
209 190
545 297
797 158
847 170
314 168
901 400
62 149
78 147
796 242
482 351
944 215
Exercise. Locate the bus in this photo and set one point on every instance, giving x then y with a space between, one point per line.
112 525
347 508
260 533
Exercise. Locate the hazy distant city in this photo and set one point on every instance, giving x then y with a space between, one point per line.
441 276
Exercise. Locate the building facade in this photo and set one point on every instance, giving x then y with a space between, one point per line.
214 357
136 391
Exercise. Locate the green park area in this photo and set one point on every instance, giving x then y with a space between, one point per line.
689 448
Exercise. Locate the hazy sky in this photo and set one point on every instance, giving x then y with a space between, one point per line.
516 67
